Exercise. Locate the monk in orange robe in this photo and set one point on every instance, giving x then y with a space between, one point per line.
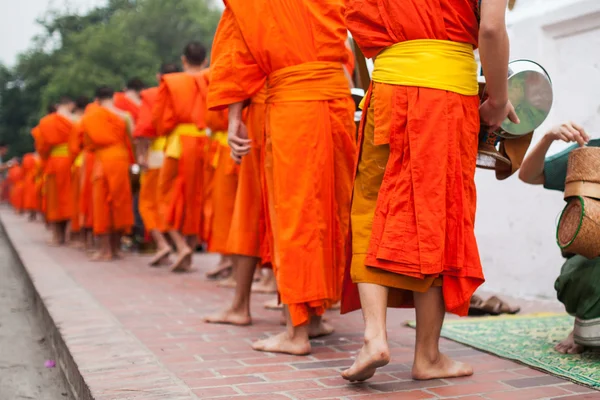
30 196
413 207
179 116
107 130
309 145
54 132
86 215
130 99
77 238
151 156
16 181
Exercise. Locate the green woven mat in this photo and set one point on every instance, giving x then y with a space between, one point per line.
529 339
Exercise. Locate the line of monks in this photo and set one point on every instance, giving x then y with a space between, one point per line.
257 157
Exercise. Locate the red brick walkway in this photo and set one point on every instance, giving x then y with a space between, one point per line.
136 333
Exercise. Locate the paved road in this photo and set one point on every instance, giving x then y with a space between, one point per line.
23 349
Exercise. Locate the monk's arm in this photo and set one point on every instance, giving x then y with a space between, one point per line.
494 50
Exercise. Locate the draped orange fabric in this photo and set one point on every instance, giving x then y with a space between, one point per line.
75 149
39 183
414 201
54 133
86 208
349 64
210 152
299 47
16 181
225 181
30 174
181 100
148 203
107 134
144 126
247 231
124 103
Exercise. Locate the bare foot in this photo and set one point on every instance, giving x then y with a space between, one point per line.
229 317
229 283
183 263
101 257
268 286
374 354
319 328
160 256
283 343
223 269
335 306
568 346
443 367
273 305
76 245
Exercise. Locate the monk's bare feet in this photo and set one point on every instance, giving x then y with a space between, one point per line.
160 257
228 283
568 346
183 263
443 367
267 286
374 354
230 317
101 256
222 270
76 244
319 327
283 343
335 306
273 305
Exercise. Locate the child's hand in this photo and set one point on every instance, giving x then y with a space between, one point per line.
569 132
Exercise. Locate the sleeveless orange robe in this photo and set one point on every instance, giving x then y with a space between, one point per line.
75 149
30 171
414 199
54 134
309 147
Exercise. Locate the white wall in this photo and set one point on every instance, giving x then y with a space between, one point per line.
515 222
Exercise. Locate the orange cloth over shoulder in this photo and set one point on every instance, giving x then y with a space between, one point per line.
124 103
144 125
414 224
299 47
107 133
55 130
181 102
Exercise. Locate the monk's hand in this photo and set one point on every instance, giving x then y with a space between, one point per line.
493 114
569 132
237 138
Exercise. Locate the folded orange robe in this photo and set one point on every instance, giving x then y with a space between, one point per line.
40 177
86 202
148 202
75 152
179 114
225 182
107 134
124 103
413 209
30 173
55 130
309 146
16 179
247 230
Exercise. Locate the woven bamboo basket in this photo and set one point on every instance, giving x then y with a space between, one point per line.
583 173
578 229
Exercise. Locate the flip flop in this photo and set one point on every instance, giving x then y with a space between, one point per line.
476 307
495 306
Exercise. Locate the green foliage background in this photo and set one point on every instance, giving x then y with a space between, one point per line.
106 46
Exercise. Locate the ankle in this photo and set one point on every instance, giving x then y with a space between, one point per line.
430 356
377 337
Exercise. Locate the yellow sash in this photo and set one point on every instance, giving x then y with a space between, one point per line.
221 138
158 144
61 150
173 146
435 64
78 160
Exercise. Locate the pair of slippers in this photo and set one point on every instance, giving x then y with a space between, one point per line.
492 306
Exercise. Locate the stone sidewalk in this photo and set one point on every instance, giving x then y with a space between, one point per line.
126 331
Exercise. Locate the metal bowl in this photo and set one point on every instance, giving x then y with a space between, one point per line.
530 92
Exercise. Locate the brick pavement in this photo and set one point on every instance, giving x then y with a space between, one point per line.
126 331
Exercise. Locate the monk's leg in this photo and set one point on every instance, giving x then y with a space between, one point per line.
104 252
375 352
163 249
267 282
294 340
429 362
115 244
239 311
184 253
56 236
88 239
32 215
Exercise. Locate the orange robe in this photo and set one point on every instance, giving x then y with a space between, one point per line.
148 202
179 114
247 234
76 154
55 130
86 203
40 182
30 172
414 200
16 182
107 135
299 47
124 103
